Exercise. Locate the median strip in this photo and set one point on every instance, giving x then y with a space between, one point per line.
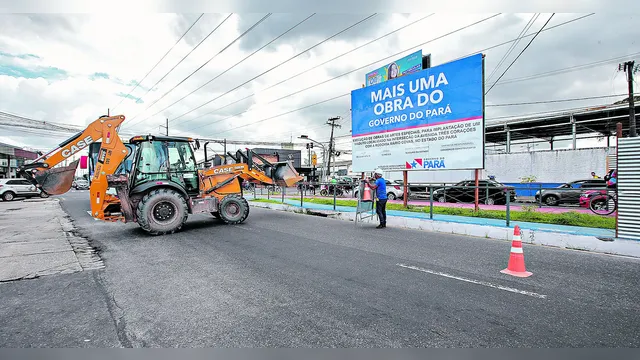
570 218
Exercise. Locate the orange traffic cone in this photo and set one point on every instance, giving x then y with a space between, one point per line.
516 259
366 193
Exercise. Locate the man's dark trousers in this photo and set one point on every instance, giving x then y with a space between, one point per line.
381 210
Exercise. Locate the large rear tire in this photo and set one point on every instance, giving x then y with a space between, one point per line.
234 209
162 211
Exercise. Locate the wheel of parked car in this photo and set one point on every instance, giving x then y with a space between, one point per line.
44 195
441 199
391 196
8 196
550 200
489 201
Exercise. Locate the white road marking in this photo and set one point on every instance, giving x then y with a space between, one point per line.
478 282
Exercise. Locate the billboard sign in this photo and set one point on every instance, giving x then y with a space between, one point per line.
429 120
407 65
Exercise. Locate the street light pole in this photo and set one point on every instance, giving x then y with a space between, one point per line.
324 152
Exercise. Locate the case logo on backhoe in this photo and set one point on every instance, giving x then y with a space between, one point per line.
227 170
81 144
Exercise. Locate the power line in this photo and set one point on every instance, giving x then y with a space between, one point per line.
236 64
360 68
286 113
282 63
314 67
475 52
159 61
183 58
568 69
557 101
521 52
526 28
210 59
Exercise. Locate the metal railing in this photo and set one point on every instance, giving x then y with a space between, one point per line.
432 197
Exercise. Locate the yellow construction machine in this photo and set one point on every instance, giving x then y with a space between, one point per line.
164 183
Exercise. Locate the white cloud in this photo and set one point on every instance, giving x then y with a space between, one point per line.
127 47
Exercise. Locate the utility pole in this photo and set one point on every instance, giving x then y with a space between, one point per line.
166 126
331 122
630 68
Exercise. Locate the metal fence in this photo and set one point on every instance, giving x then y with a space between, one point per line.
491 196
629 187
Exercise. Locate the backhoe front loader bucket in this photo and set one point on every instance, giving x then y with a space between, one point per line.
284 174
57 180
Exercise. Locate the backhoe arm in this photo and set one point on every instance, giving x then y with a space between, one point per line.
54 181
222 179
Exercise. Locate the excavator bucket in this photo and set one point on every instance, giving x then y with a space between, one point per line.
284 174
57 180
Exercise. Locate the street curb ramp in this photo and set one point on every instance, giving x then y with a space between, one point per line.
530 236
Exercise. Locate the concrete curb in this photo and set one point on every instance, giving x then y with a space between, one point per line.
538 237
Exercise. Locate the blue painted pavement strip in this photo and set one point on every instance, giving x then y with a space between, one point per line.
575 230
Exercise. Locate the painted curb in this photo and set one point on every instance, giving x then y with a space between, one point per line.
546 237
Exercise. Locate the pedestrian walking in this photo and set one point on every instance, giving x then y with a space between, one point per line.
593 175
380 186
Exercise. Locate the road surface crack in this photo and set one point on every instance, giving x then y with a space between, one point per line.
112 306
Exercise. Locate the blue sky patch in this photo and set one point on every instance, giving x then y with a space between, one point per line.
129 96
99 75
19 56
45 72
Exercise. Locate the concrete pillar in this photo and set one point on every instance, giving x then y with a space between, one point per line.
508 146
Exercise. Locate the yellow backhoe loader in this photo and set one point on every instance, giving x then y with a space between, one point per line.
164 183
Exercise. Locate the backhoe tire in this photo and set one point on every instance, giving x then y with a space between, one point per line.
233 209
162 211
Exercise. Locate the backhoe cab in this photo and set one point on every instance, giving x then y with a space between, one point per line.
163 184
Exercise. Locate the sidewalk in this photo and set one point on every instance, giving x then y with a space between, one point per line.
569 237
37 240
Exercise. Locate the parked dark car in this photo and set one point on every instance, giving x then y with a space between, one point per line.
414 189
569 193
490 192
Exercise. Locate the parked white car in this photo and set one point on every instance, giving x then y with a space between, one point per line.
14 188
394 191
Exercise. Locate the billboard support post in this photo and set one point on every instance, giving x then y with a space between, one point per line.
477 172
477 191
405 196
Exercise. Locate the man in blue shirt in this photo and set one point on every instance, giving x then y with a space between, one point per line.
380 186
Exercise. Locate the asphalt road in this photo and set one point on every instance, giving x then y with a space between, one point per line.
289 280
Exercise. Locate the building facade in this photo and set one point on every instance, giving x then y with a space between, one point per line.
11 158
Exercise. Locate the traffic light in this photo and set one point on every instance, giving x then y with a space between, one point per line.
311 145
307 146
314 159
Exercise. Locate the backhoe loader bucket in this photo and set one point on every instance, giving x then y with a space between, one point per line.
284 174
57 180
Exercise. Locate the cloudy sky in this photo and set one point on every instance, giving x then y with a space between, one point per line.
70 68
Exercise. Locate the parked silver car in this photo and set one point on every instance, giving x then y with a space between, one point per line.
80 184
394 191
15 188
